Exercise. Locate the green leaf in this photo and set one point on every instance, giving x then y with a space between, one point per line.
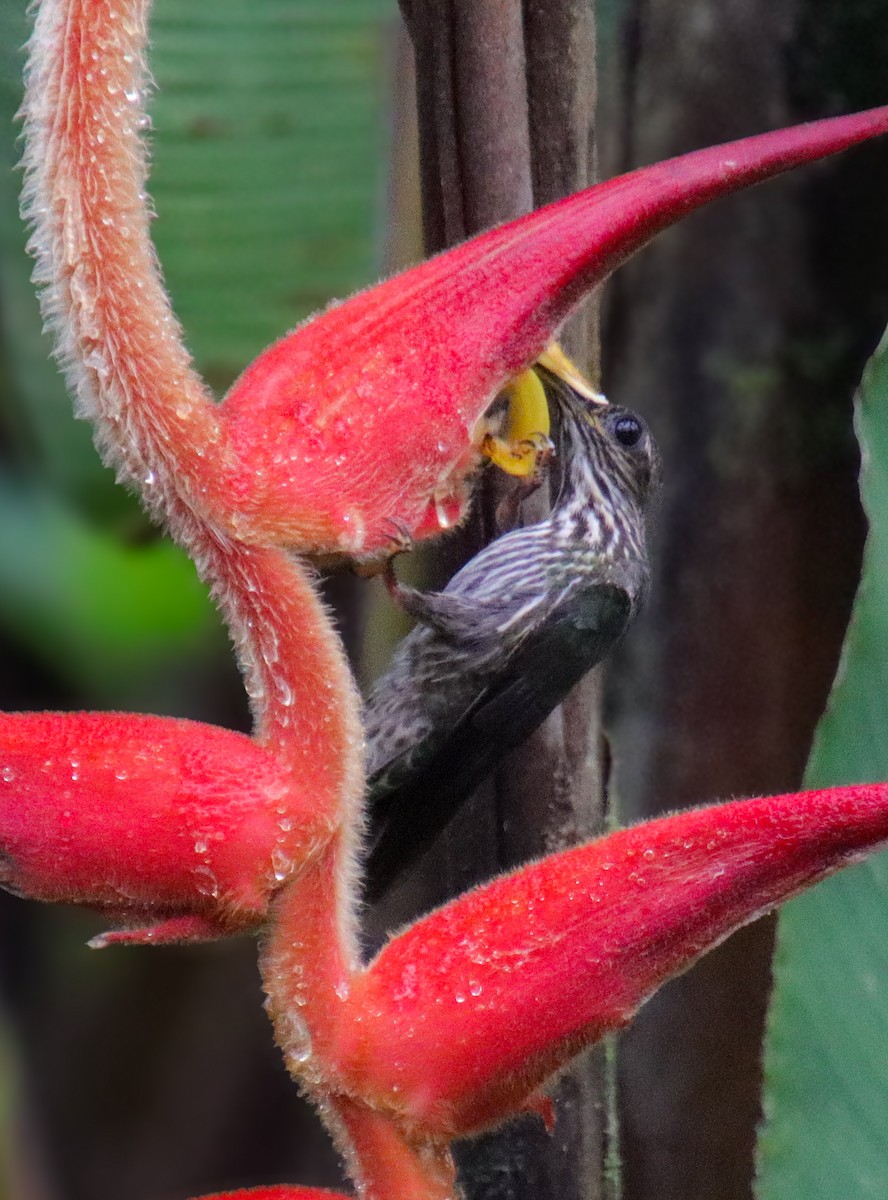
270 151
825 1133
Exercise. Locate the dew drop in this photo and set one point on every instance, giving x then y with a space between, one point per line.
442 515
294 1034
281 864
207 883
7 774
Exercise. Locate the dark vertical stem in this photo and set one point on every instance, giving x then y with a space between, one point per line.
506 96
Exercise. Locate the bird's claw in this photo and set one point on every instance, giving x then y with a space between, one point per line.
401 542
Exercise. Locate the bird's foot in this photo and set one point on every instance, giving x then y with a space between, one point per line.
400 542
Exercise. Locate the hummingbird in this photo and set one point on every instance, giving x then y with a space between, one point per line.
512 632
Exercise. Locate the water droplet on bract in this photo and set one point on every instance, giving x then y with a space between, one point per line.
133 95
442 515
341 989
293 1033
459 998
150 479
207 883
7 774
475 988
200 846
649 854
121 775
281 864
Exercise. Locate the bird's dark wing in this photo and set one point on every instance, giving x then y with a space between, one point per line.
413 797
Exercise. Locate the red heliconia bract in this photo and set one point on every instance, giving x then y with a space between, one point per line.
354 430
360 421
486 997
175 828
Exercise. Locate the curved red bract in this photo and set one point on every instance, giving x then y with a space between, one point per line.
362 417
155 820
465 1013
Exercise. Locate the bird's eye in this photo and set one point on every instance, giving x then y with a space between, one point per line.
628 430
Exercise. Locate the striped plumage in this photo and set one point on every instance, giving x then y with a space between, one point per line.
513 631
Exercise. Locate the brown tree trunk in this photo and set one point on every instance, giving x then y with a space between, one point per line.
506 98
740 335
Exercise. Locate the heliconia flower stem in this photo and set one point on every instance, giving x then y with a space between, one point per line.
102 292
389 1163
465 1013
